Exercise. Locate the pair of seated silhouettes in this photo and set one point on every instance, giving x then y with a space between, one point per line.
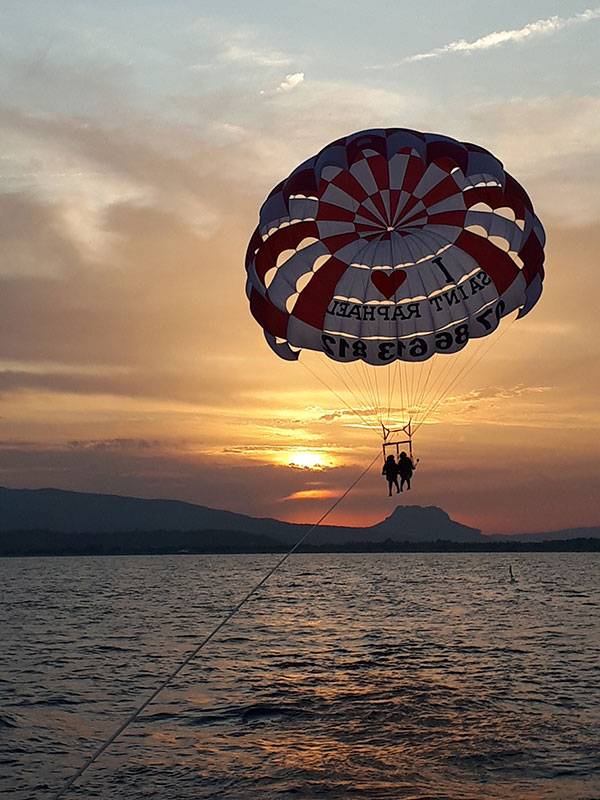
404 468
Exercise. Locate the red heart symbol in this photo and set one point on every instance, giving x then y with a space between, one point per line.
388 284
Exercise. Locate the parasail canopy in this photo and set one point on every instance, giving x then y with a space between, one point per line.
393 245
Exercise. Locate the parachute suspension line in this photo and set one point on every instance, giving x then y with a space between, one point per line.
414 373
446 380
404 389
478 353
382 380
360 402
410 383
396 390
390 386
363 378
421 379
448 374
421 375
371 377
387 404
395 383
398 393
413 384
421 396
368 382
439 379
482 351
487 343
386 393
379 397
411 374
364 386
132 717
350 383
402 374
339 397
420 372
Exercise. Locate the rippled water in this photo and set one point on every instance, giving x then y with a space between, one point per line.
368 676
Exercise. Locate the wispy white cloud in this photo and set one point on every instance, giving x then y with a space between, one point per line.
221 44
551 145
287 84
291 81
493 394
262 56
542 27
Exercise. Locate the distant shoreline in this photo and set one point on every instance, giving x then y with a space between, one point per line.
133 543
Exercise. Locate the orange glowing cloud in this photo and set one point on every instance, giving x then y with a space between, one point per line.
311 494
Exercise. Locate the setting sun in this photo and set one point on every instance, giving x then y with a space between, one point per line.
308 459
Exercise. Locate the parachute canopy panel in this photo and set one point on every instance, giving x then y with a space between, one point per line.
392 244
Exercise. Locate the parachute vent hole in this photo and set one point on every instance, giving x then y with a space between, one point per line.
291 302
500 242
284 256
478 230
319 261
516 258
306 242
303 281
481 207
506 213
269 276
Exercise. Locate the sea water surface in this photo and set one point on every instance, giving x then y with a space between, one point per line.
422 676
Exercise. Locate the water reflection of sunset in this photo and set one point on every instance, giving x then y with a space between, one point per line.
347 676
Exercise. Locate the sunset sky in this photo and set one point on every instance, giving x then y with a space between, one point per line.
138 141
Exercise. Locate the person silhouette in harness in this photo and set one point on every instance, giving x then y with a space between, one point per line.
390 470
405 467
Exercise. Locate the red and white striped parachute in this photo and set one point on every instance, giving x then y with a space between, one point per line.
393 245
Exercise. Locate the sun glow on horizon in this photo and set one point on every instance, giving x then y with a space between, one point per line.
308 459
311 494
